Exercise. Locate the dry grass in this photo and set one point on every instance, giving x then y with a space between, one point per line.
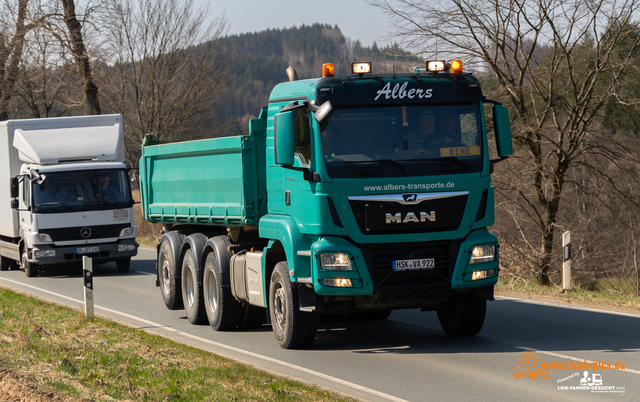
61 353
528 288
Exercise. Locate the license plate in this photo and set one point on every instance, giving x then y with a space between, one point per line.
407 265
86 250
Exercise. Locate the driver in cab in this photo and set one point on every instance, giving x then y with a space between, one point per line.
425 136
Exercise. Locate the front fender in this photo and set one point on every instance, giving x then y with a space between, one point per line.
284 229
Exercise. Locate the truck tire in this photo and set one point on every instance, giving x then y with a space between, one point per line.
464 315
123 264
292 328
252 317
30 269
168 273
223 310
192 289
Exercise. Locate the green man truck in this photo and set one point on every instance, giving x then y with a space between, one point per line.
358 194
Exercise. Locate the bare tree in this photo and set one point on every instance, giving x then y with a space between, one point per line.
557 64
47 84
92 104
16 22
169 68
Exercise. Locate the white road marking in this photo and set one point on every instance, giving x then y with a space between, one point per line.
222 346
570 307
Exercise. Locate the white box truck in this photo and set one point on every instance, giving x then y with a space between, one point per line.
64 193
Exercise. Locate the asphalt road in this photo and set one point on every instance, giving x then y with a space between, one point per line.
406 357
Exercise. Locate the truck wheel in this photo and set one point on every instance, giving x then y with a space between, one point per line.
168 276
123 264
252 317
223 310
192 290
292 328
30 269
464 316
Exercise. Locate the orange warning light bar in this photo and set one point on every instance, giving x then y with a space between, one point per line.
327 70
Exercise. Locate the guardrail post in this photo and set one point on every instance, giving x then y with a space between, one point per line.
87 273
566 261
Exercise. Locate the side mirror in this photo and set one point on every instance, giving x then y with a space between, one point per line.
14 203
14 187
503 130
323 112
283 138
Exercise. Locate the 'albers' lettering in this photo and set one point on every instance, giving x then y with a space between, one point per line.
410 217
400 92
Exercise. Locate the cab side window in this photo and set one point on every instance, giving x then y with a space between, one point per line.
302 135
26 192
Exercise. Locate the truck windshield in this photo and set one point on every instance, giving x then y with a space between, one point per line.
413 140
82 191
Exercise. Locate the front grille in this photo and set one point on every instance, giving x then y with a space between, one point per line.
74 233
389 217
426 289
380 257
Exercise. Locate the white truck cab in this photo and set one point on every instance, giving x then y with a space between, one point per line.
69 193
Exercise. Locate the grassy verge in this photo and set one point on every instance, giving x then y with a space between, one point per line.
62 352
602 298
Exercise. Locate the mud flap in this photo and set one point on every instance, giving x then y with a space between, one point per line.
306 298
486 293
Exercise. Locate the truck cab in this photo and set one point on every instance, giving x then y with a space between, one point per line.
391 216
71 196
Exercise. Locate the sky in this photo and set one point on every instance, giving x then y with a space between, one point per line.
355 18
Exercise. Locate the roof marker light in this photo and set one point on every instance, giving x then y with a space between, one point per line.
436 65
361 68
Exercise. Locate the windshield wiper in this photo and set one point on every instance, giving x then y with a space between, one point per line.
443 159
392 162
56 204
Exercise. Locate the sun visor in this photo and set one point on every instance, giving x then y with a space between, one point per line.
56 145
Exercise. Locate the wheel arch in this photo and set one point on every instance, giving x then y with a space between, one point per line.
220 246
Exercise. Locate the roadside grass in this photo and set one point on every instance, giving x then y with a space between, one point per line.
603 296
62 352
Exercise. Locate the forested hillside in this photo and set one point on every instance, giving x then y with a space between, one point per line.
260 60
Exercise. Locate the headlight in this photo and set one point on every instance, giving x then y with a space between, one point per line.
44 237
45 253
482 274
484 253
337 282
126 247
335 262
126 231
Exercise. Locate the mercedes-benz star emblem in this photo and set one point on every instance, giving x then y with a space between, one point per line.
85 232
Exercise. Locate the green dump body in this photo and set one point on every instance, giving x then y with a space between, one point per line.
211 182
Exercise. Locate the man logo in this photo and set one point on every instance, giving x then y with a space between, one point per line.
409 197
410 217
85 232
